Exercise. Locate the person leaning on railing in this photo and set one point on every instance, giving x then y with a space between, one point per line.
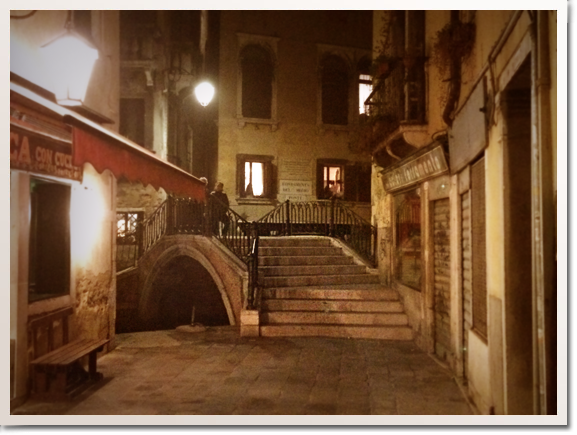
219 206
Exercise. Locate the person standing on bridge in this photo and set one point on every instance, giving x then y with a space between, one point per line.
219 206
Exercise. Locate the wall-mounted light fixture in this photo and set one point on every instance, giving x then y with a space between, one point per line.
204 92
70 58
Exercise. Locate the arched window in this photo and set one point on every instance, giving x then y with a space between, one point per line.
257 77
334 91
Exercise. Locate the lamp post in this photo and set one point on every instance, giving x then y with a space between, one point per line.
70 59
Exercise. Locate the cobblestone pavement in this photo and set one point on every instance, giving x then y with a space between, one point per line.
218 372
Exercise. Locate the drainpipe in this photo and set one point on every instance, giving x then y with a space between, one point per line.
544 338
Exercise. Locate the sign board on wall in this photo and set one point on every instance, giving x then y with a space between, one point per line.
295 190
468 135
34 152
295 182
416 169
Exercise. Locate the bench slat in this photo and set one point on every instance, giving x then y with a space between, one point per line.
70 352
85 350
58 354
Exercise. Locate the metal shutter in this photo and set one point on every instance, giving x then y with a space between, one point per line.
479 258
467 270
442 276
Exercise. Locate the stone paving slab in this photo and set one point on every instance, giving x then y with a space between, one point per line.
217 372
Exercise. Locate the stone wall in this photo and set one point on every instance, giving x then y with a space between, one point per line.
134 196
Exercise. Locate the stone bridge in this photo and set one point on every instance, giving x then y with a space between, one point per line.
181 279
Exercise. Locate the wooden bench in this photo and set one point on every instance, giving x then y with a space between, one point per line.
59 374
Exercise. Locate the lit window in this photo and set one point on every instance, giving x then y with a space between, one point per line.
255 176
332 181
343 179
365 89
253 179
127 239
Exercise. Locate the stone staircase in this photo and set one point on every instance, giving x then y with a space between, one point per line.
312 288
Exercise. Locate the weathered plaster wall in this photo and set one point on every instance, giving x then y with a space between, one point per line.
134 196
103 94
478 373
93 238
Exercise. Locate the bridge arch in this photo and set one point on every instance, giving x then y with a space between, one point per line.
150 297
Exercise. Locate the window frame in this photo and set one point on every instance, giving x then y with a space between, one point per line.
352 56
396 237
270 44
350 173
269 185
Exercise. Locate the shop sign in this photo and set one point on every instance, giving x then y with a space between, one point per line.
415 170
35 153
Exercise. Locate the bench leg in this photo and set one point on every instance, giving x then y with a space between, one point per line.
94 375
39 381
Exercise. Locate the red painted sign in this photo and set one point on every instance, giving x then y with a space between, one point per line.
33 152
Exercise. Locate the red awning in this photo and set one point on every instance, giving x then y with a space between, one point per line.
106 150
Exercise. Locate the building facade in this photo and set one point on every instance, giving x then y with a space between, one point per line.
65 160
288 95
463 136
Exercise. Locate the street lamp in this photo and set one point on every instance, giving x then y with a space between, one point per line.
70 57
204 92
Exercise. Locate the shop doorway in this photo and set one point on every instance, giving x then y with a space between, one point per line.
516 106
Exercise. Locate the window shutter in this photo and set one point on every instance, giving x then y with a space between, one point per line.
320 184
364 184
351 182
479 259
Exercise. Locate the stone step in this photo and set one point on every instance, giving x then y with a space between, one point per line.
294 241
317 270
333 318
404 333
307 260
332 305
340 293
314 280
266 251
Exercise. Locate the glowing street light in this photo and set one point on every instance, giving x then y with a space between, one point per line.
204 92
71 58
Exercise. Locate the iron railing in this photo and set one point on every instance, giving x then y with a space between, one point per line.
215 219
240 237
154 227
326 218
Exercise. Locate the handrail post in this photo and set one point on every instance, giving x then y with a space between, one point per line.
288 219
169 215
332 218
206 218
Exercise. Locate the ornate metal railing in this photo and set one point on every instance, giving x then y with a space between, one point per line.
154 227
241 238
327 218
215 219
